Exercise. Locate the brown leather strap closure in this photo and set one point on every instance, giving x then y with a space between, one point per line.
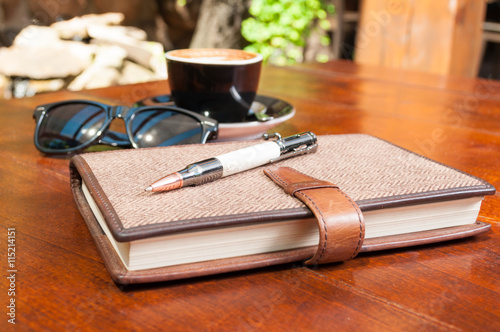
340 221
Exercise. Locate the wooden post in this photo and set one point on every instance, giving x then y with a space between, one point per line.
437 36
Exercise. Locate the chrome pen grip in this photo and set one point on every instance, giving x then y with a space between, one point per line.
294 145
298 141
202 172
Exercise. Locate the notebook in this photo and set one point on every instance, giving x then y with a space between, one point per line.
246 221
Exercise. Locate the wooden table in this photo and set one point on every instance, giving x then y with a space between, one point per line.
61 282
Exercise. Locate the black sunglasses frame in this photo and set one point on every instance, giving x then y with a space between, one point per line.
105 136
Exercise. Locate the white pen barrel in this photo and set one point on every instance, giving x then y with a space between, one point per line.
248 158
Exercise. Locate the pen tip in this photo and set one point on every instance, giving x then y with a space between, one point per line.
149 189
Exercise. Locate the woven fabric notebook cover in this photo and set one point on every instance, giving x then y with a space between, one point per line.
373 172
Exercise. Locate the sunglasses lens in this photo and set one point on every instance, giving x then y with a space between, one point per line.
162 127
70 125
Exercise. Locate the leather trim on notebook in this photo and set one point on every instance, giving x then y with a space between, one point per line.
341 225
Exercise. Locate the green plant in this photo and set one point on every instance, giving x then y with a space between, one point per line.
278 29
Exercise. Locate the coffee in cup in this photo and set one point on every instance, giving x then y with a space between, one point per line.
218 83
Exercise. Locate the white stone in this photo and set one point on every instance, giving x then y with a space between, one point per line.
77 27
36 36
53 60
98 74
139 51
133 73
109 56
92 79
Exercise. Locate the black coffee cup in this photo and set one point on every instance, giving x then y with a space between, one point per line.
218 83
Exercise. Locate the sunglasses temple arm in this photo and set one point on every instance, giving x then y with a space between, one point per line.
114 138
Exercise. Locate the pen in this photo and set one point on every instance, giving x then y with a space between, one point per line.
238 161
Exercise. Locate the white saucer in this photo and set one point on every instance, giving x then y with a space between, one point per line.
278 109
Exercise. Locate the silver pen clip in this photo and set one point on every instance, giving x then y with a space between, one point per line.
294 145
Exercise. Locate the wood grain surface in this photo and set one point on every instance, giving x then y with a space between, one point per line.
61 283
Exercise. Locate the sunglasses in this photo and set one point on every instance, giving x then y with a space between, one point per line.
72 126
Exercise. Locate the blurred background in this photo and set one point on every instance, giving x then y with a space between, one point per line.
47 45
